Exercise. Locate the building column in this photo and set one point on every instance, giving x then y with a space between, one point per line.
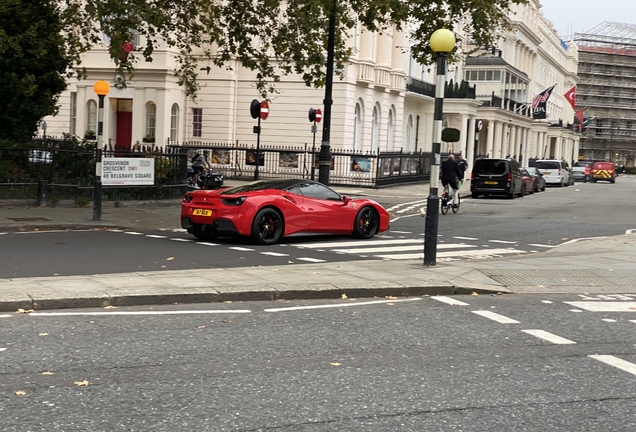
366 45
518 133
463 134
490 140
512 144
577 144
498 139
470 145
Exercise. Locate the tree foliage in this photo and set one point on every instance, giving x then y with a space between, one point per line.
270 37
32 64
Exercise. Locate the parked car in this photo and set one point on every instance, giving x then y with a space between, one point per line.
267 210
582 172
496 177
539 181
604 171
555 172
528 182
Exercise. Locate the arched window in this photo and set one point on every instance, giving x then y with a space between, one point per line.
375 129
409 134
151 119
174 123
357 128
91 119
389 132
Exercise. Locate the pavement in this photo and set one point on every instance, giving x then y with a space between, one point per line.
583 266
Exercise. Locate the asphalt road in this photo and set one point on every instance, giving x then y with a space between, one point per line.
483 228
414 364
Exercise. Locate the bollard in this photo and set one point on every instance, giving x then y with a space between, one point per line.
43 193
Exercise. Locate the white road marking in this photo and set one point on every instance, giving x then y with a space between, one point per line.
401 232
502 241
465 238
542 334
308 259
339 305
276 254
630 231
576 310
401 248
184 312
546 301
397 206
402 217
541 245
156 236
2 349
603 306
454 254
616 362
496 317
115 230
181 240
449 300
5 316
241 249
358 243
207 244
133 233
609 320
179 230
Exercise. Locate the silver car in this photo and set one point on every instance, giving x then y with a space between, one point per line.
555 172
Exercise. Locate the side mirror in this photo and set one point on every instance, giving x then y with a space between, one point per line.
345 199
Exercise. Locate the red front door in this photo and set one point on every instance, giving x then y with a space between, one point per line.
124 130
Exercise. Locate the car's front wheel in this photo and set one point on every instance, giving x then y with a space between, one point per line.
267 227
366 223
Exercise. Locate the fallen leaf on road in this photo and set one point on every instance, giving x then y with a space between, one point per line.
170 259
390 304
339 266
43 334
564 238
290 262
335 364
20 392
611 270
201 327
110 307
227 301
474 294
493 307
47 373
499 293
541 286
563 280
81 383
316 273
36 229
344 297
391 297
163 266
24 311
227 321
274 269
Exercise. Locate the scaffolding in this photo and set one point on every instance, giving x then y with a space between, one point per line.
607 91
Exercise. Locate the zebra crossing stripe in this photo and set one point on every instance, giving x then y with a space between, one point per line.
325 245
616 362
453 254
401 248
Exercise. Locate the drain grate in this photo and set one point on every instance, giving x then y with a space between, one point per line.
31 219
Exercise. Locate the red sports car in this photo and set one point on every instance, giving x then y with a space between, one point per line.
267 210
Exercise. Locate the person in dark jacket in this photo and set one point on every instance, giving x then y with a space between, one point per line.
463 166
450 174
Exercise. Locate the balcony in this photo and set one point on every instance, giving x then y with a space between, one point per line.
382 77
366 73
420 87
398 81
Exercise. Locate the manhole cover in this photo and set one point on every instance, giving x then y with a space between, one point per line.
32 219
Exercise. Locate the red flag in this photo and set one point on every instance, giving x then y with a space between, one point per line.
579 115
570 95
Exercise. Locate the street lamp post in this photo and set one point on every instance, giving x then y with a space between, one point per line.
324 157
442 42
101 88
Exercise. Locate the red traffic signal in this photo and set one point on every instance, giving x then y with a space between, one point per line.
315 115
259 109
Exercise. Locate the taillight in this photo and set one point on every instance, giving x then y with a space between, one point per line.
509 176
234 201
587 170
187 198
472 175
559 172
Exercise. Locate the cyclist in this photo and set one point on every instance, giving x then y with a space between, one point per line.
200 164
450 175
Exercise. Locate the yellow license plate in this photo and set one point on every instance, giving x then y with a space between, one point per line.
546 173
201 212
490 182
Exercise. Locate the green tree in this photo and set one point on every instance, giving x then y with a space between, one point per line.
270 37
32 63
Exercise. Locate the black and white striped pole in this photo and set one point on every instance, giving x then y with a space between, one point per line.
101 88
442 42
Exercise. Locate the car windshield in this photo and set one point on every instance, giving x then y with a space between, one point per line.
548 165
531 171
490 166
578 168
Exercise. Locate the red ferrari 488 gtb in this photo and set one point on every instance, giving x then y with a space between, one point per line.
267 210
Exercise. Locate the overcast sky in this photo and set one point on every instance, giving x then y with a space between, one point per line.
579 16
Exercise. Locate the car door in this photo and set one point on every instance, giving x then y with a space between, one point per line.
295 215
325 209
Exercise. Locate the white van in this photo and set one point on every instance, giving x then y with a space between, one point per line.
555 172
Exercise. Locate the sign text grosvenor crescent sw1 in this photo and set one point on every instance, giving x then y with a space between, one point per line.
128 171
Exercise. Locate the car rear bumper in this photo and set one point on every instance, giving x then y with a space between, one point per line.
221 226
490 190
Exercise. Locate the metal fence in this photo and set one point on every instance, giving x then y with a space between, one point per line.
348 168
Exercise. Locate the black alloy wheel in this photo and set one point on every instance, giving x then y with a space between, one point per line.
366 223
267 227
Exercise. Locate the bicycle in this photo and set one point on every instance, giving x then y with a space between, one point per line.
447 200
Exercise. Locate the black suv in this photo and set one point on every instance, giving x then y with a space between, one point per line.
496 177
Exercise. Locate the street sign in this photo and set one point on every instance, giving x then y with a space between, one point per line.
128 171
318 115
264 110
480 125
255 108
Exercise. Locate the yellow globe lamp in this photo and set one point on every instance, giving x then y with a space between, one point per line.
442 41
101 88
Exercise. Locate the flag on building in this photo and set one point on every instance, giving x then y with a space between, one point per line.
539 102
579 117
570 95
587 121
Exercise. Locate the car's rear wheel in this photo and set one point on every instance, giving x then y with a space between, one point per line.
267 227
523 190
512 195
204 232
366 223
474 195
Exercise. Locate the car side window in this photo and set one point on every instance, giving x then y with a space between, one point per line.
295 190
514 166
319 191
